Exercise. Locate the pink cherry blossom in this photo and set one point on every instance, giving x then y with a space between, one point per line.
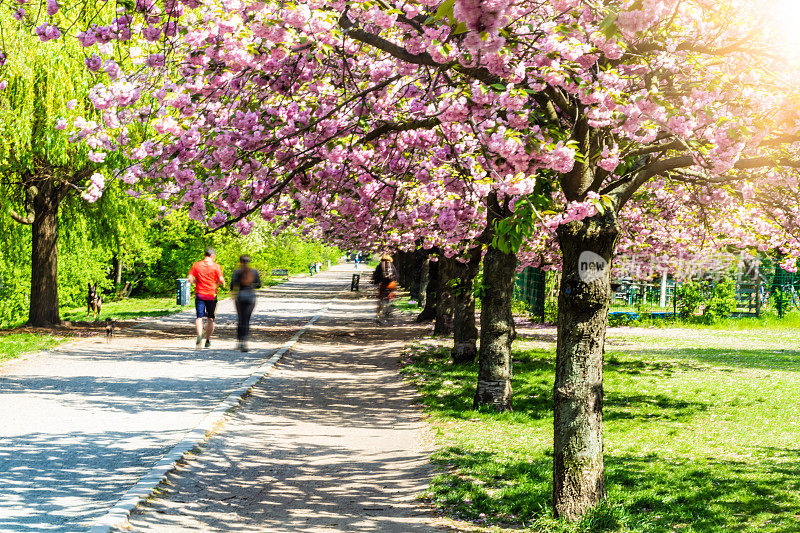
93 62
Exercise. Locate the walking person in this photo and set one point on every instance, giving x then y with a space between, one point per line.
385 277
244 281
206 276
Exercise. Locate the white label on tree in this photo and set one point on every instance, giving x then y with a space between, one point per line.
591 267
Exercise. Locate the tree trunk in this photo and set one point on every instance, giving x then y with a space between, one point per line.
421 267
117 264
419 261
407 274
431 292
578 480
465 332
497 322
44 257
400 265
444 305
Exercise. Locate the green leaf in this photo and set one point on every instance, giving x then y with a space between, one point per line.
460 28
598 204
445 10
607 27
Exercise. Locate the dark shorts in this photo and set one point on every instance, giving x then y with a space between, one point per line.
205 307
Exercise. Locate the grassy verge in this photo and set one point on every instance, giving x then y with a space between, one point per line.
790 321
404 305
15 344
128 309
701 435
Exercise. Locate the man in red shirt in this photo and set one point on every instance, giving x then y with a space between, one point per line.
205 275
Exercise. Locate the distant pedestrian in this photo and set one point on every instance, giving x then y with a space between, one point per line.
385 277
357 258
244 281
205 275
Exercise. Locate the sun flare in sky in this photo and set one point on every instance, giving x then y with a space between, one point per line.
783 17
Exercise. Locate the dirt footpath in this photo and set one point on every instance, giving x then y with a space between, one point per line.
330 441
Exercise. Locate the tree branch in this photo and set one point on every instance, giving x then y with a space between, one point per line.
547 106
30 212
575 182
389 127
278 188
401 53
27 220
766 161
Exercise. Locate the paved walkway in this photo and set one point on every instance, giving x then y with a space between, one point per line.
329 442
81 424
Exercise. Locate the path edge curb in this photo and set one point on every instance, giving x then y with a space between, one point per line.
118 515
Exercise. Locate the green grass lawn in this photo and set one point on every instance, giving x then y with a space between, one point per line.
701 434
15 344
403 305
128 309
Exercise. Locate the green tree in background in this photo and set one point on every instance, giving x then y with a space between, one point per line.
39 166
177 241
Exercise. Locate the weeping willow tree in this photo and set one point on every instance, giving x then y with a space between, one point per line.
39 166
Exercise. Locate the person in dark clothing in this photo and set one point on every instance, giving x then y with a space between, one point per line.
244 282
385 277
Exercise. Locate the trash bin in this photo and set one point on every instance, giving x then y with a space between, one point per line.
354 283
183 291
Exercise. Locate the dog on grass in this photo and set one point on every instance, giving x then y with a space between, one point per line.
94 302
109 329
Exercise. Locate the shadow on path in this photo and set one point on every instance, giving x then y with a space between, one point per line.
81 424
331 442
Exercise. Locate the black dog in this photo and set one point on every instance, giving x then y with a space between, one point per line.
94 303
109 329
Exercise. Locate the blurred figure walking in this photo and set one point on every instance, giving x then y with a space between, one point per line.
244 281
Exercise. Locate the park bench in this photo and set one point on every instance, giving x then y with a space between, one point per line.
280 272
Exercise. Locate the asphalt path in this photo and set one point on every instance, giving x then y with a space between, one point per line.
330 442
81 424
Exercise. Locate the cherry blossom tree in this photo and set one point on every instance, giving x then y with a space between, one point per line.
516 120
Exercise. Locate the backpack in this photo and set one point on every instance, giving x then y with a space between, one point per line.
384 273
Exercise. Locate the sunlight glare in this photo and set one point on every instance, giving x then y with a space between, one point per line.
784 18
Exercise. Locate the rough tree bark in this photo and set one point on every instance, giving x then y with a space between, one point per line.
497 322
116 263
444 306
397 261
578 479
404 263
431 291
420 286
44 255
465 332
